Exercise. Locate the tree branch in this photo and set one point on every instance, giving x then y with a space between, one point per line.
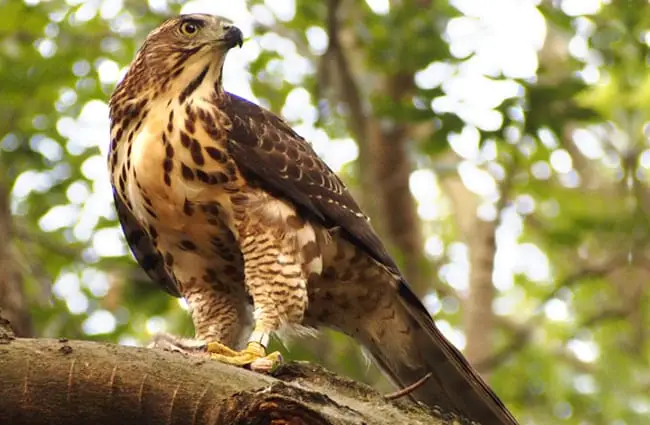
74 382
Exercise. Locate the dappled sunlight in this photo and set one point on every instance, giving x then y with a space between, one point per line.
380 7
68 288
452 334
463 84
156 325
585 384
99 322
557 310
585 350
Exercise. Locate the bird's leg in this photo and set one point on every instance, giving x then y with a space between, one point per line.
217 316
275 280
254 355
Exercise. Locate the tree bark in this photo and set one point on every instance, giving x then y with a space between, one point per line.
75 382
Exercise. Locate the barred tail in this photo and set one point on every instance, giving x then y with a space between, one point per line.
407 345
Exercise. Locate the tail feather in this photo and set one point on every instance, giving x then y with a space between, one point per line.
417 348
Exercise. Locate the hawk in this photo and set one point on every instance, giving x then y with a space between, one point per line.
222 203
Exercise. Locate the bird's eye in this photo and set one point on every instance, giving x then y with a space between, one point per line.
189 28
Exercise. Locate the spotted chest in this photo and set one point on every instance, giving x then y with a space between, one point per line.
160 168
179 189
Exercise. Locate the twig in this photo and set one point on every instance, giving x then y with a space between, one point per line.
408 390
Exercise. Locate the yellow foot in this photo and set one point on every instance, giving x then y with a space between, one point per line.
254 356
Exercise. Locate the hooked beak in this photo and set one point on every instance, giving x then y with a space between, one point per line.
233 37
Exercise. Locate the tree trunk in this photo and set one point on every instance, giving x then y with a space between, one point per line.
392 173
480 239
383 163
12 297
75 382
479 324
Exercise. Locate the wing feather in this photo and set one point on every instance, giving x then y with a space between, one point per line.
143 249
265 147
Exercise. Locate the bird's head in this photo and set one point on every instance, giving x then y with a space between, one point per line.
199 33
178 51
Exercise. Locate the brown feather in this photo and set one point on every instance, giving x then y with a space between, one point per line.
259 142
454 381
143 250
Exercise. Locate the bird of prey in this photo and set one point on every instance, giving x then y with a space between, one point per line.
222 203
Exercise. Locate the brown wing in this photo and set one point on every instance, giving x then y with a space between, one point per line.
264 146
143 249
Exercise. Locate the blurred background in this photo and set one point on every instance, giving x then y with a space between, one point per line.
501 148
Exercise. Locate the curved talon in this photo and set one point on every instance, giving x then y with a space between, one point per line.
268 363
254 355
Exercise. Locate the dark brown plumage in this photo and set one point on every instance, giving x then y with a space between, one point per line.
224 204
286 163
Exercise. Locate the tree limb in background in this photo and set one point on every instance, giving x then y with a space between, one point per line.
384 165
12 297
393 169
479 316
335 70
479 236
74 382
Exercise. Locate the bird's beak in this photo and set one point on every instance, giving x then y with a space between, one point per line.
233 37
